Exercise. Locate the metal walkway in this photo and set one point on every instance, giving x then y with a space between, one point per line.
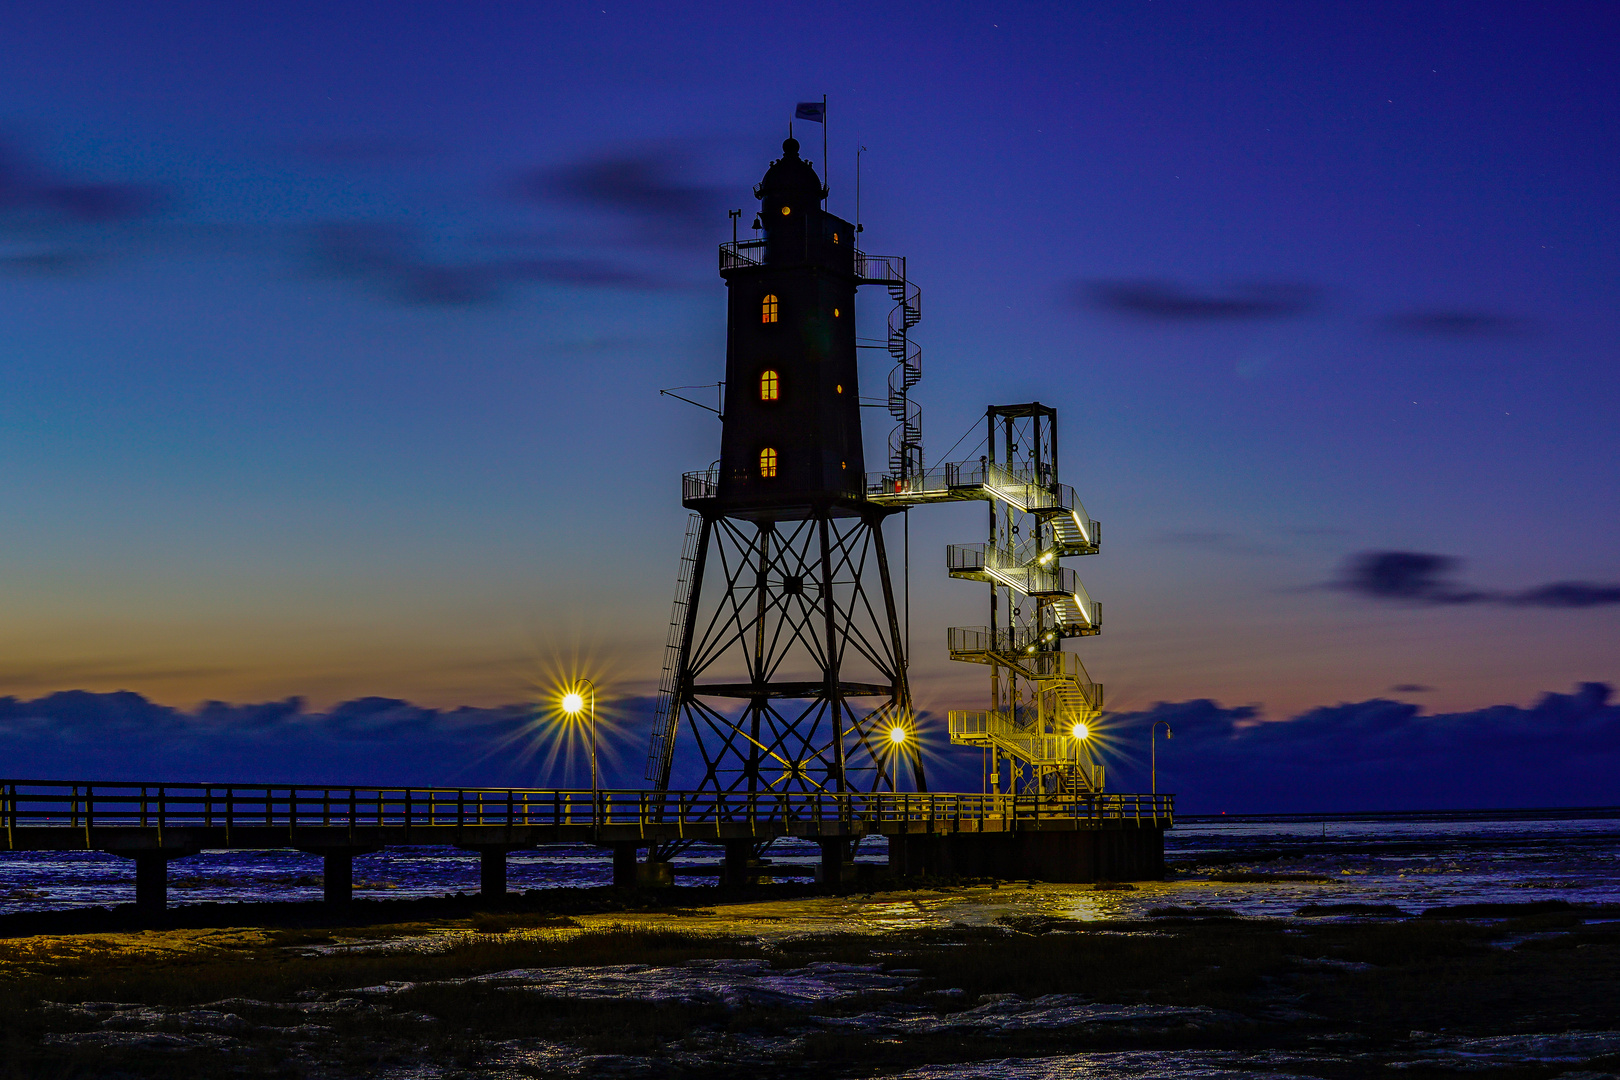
128 817
152 824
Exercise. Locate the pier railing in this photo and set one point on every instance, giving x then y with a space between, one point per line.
64 804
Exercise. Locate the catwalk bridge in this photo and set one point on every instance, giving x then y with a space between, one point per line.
1054 837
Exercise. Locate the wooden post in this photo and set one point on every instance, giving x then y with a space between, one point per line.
337 875
492 872
151 882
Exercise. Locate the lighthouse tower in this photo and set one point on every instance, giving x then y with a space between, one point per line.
792 435
786 669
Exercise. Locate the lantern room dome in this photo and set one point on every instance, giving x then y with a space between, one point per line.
791 179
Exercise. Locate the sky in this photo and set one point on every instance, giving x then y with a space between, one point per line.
331 335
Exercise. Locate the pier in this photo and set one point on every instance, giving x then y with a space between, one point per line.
1050 837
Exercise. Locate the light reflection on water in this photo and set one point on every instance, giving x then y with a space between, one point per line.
1411 864
47 880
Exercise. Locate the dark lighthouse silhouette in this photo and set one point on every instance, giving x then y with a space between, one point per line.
787 668
792 432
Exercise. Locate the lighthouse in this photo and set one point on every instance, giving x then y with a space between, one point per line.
792 430
785 667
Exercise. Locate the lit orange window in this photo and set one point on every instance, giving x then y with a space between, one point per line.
767 308
769 388
767 462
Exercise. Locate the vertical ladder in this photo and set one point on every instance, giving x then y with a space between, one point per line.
662 750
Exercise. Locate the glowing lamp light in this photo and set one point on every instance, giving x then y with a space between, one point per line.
572 703
897 735
1080 731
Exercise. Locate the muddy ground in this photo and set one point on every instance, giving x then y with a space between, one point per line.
952 981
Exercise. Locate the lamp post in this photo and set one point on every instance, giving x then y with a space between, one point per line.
1082 757
573 703
1153 751
897 743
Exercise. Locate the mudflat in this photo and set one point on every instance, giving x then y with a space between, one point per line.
947 981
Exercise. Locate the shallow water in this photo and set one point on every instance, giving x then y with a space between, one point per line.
1407 861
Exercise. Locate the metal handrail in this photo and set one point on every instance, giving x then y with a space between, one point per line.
870 269
50 803
740 253
880 269
702 484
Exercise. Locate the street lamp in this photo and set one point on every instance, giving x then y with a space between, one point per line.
1153 751
573 703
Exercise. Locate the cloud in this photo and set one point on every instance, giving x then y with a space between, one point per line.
56 225
123 736
1422 578
1458 324
1378 755
1410 688
1568 594
645 187
392 260
33 196
1405 575
389 258
1367 755
1168 302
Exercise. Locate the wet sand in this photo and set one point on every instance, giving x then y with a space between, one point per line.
929 984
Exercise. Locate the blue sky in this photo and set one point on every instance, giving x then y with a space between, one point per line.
332 334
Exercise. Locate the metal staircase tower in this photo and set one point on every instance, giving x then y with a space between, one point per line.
1038 730
1043 704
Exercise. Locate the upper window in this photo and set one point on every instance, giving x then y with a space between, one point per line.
768 308
767 462
769 385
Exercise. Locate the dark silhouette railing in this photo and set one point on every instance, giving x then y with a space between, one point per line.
87 806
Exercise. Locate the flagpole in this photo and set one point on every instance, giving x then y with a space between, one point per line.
826 164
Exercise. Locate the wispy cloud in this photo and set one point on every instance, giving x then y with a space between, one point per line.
33 196
1416 577
1168 302
53 225
649 189
392 261
1459 324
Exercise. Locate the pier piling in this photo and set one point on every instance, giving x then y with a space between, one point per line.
152 881
337 876
492 872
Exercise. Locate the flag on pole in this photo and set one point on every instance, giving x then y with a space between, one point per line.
813 111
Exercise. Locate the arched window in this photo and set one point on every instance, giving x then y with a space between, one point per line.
767 462
769 385
767 308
